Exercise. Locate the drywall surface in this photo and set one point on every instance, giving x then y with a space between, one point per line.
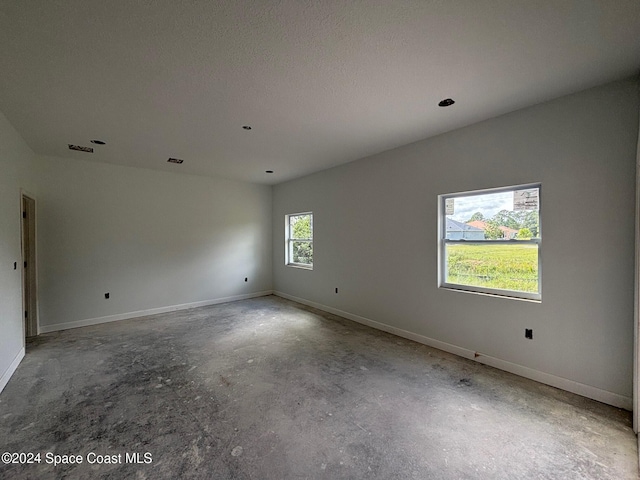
15 164
375 236
150 239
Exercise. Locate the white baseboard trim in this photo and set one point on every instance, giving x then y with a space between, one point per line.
152 311
588 391
12 368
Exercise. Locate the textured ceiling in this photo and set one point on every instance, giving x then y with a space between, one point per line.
321 82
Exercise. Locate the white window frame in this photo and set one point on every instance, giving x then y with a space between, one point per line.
443 242
288 249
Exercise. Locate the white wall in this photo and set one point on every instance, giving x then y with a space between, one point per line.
151 239
15 167
375 238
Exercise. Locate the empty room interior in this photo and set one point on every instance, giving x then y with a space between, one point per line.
304 239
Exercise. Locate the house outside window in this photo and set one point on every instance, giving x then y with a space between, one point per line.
490 241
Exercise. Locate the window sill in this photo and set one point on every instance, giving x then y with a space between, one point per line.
453 288
297 265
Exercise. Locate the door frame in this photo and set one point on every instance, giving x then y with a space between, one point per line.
636 303
34 314
636 311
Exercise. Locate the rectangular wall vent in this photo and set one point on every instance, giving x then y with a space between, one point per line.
80 148
175 160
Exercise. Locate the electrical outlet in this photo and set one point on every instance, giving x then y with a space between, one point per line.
528 333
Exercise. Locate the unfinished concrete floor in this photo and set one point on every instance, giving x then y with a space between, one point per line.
270 389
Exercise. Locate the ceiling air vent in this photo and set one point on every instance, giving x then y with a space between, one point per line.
447 102
80 148
175 160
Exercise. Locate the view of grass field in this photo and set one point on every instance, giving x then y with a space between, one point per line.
507 267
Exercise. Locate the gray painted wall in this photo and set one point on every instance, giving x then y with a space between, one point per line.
15 173
151 239
375 236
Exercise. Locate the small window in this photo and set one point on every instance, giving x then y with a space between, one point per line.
490 241
299 235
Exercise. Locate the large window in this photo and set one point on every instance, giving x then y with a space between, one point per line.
490 241
299 235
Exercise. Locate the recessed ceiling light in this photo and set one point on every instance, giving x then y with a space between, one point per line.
246 127
268 171
447 102
98 142
175 160
80 148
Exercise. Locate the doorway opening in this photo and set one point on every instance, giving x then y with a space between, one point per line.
29 284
